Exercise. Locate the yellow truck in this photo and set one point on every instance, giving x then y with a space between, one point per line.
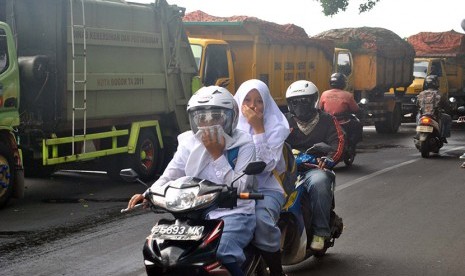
374 60
441 54
229 51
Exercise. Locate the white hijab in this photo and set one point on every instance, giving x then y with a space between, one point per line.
276 125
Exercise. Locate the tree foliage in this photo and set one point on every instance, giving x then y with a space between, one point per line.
332 7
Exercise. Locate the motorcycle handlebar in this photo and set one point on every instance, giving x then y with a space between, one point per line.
137 206
251 196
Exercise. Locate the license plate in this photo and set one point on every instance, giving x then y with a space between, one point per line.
177 232
424 128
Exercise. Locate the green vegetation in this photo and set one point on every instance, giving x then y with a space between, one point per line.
332 7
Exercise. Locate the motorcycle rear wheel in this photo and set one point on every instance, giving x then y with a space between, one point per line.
349 156
424 150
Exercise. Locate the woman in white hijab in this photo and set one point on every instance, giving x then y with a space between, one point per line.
262 118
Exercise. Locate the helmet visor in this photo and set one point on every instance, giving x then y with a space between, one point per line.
304 108
211 117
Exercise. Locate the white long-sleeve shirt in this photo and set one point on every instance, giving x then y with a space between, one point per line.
272 156
192 159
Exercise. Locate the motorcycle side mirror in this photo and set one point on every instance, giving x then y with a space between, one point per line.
461 110
255 167
252 168
129 175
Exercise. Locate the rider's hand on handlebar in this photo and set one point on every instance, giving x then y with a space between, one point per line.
325 163
135 199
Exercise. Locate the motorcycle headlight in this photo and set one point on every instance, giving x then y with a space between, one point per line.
182 199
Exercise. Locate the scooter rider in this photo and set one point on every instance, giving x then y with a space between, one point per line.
429 101
310 126
202 152
339 102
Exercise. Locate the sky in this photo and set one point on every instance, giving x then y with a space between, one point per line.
403 17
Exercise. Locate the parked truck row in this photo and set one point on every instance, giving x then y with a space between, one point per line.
373 59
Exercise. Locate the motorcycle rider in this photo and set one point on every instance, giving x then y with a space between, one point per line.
429 101
262 118
310 126
339 102
202 152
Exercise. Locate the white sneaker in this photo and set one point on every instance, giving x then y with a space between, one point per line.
318 243
462 156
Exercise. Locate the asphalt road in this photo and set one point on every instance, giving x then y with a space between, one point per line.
403 215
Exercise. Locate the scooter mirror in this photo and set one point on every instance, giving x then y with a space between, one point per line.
255 167
461 110
129 175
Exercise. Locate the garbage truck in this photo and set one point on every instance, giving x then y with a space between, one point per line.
375 60
95 82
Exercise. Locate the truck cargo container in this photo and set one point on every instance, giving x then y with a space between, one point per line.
374 60
231 50
88 79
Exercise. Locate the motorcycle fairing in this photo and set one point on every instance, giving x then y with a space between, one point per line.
163 256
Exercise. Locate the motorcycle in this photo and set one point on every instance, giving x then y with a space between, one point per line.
353 135
187 244
428 137
294 235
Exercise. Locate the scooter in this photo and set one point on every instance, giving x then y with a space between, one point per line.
295 242
428 137
187 244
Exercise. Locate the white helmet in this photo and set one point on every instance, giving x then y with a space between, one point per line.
302 99
213 105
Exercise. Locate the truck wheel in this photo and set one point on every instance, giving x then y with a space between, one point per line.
7 175
148 156
392 122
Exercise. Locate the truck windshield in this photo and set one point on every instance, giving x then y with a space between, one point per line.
420 69
197 51
3 51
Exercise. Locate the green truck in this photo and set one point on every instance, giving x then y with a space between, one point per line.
94 82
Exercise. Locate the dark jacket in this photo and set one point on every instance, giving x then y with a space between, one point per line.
327 130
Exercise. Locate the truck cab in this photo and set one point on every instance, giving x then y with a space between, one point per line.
214 62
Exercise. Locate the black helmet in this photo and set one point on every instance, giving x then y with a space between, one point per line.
431 82
338 81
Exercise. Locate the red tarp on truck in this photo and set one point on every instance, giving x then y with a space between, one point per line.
441 44
381 41
275 33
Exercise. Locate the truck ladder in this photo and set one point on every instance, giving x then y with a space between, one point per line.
82 82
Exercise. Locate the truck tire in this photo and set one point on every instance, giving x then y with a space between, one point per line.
148 156
7 175
392 122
